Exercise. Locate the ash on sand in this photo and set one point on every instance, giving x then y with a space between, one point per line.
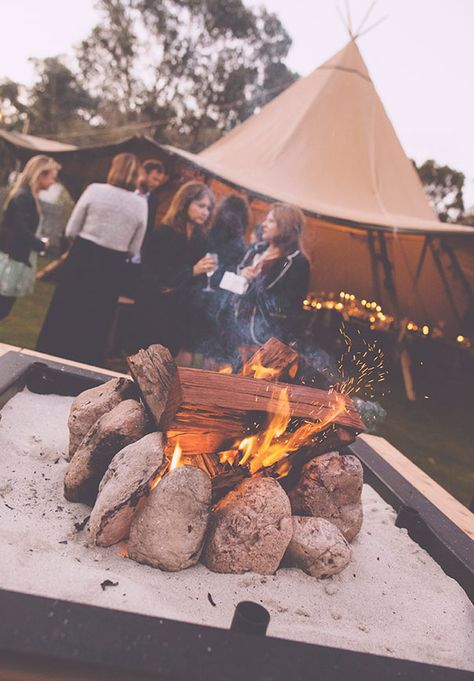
393 599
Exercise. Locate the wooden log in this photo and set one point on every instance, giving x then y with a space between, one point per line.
205 411
154 371
271 362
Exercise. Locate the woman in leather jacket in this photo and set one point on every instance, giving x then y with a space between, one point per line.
278 276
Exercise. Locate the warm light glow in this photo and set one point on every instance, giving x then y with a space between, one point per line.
229 456
409 326
226 369
176 458
363 302
318 306
260 372
378 308
272 445
460 339
425 330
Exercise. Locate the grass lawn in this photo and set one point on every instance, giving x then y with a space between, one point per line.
437 433
23 325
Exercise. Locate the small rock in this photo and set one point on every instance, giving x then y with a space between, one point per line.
249 529
168 533
317 547
120 427
330 487
91 404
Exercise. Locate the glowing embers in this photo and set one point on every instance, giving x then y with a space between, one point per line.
271 446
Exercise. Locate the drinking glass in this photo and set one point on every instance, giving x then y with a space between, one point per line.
209 274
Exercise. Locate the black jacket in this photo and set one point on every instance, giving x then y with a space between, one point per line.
170 257
272 305
20 223
168 300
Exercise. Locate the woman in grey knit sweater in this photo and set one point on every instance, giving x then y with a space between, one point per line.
107 224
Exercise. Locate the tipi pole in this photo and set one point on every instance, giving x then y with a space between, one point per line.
375 268
404 356
457 267
389 285
366 16
421 261
439 267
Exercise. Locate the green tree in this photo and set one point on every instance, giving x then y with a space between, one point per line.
198 66
444 187
57 102
13 109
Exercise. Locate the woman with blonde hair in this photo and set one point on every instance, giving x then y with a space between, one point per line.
277 272
107 224
20 246
173 266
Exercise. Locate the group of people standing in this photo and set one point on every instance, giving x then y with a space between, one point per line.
182 296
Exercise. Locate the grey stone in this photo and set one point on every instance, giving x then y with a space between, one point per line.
125 487
330 487
317 547
91 404
168 533
249 529
123 425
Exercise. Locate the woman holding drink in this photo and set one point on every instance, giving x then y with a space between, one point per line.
168 302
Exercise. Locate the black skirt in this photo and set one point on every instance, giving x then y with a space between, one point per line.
80 316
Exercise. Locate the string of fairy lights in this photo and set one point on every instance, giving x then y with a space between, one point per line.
371 312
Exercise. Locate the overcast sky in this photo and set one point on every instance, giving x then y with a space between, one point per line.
420 59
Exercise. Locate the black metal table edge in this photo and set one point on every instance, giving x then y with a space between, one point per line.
426 524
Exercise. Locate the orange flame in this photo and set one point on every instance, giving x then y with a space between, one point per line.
274 444
176 458
258 371
226 369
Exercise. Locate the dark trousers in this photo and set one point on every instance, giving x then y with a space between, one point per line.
81 312
6 304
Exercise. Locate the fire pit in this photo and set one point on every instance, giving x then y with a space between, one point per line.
39 548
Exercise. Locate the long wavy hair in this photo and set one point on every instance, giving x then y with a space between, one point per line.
177 214
290 223
231 219
30 176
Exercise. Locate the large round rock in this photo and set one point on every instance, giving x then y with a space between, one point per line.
124 488
169 532
330 487
317 547
250 529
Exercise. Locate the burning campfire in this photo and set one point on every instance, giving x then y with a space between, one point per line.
239 471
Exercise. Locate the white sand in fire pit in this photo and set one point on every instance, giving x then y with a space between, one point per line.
393 599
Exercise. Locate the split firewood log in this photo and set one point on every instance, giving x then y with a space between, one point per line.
317 547
125 487
273 361
202 410
168 533
91 404
249 529
155 373
330 487
123 425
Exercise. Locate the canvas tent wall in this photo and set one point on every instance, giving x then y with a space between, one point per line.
80 165
327 145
